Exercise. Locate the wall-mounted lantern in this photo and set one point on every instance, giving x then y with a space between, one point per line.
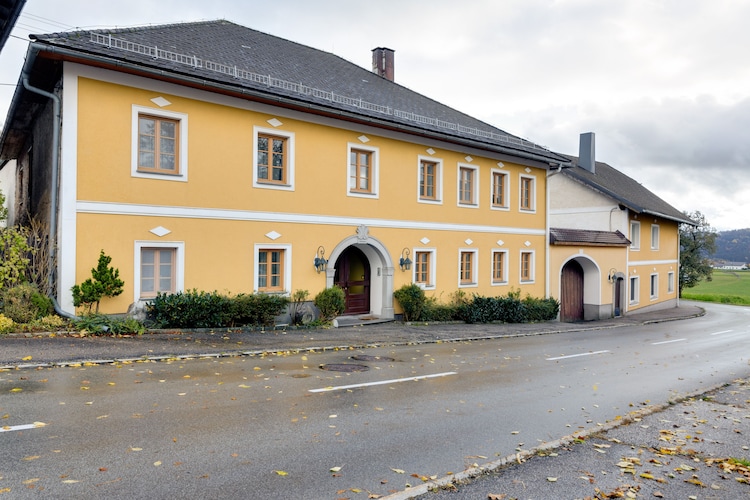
612 276
320 261
404 262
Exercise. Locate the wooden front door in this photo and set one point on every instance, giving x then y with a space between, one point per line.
353 276
571 293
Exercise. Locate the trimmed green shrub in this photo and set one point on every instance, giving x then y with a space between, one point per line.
540 309
435 311
509 309
23 303
194 309
190 309
330 302
258 309
412 300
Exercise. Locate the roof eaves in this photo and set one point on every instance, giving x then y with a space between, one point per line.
286 100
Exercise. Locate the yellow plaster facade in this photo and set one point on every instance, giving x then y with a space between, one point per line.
217 217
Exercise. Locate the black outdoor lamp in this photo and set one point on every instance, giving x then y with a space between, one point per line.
404 262
611 275
320 261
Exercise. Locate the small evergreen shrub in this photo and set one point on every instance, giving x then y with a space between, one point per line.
104 282
23 303
330 302
412 300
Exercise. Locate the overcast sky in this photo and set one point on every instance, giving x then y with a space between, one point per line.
664 84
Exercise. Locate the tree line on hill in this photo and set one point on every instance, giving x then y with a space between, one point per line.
732 246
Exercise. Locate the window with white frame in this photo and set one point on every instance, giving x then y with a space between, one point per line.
424 267
500 198
654 237
654 286
159 144
159 268
527 195
273 268
499 267
635 235
430 187
468 185
467 267
670 282
362 171
273 159
634 284
527 266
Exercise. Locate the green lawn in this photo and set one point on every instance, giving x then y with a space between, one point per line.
727 287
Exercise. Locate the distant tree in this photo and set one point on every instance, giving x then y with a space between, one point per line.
697 243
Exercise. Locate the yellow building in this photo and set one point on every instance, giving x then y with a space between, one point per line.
614 245
211 156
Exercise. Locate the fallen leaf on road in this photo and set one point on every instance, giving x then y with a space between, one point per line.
552 479
281 473
399 471
26 358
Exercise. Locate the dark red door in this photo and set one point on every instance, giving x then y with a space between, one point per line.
571 293
353 276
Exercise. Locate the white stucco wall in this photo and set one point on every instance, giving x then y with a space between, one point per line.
575 206
8 188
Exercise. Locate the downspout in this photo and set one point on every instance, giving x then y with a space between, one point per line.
546 230
56 122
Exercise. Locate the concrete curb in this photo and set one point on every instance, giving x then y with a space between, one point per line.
520 457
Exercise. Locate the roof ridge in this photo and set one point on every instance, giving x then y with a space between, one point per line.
129 29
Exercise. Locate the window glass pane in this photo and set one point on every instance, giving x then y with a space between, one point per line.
146 126
166 145
146 143
168 129
262 172
278 146
146 159
278 160
262 144
166 162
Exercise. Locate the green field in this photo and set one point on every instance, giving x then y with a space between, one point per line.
726 287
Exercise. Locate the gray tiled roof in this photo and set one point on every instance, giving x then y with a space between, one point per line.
230 46
625 190
561 236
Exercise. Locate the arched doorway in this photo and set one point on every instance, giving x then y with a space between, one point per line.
379 265
353 276
571 292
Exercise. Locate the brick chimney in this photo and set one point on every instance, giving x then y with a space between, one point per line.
382 62
587 152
